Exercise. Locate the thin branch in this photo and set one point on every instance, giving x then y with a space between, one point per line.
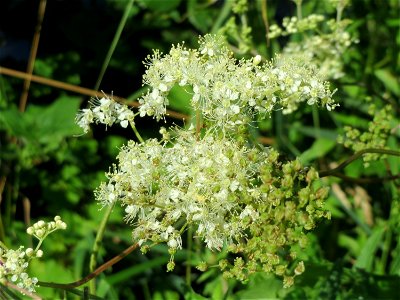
21 290
334 172
92 275
114 43
97 243
32 56
365 179
81 90
264 14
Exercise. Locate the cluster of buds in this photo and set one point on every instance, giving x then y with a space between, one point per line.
376 136
14 263
42 229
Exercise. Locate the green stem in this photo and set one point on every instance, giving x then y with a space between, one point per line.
264 15
189 256
385 252
298 7
96 246
114 43
2 232
139 137
315 116
339 11
355 156
2 245
223 14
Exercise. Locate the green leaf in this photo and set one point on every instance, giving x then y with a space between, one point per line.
389 80
201 17
179 99
318 149
366 258
351 120
262 287
165 295
328 134
160 5
128 273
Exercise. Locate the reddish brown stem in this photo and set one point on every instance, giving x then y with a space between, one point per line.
92 275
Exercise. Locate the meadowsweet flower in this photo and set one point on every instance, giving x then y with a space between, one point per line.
228 91
321 48
106 111
228 194
13 267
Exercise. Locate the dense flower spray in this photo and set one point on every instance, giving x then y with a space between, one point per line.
235 196
226 90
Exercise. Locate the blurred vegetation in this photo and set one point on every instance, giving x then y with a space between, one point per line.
46 169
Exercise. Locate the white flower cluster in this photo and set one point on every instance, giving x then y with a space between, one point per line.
324 51
105 111
14 265
206 183
225 90
323 47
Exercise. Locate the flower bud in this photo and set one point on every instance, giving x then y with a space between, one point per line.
256 60
39 253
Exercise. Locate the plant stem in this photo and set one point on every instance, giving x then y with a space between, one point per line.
95 273
198 124
385 252
114 43
2 245
355 156
264 14
32 56
298 7
223 14
81 90
139 137
96 246
315 116
189 256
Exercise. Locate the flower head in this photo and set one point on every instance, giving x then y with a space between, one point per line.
106 111
228 91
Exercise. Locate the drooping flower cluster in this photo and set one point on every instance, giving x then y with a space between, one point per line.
230 195
105 111
226 90
14 263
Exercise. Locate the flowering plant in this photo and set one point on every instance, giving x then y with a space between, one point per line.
231 194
